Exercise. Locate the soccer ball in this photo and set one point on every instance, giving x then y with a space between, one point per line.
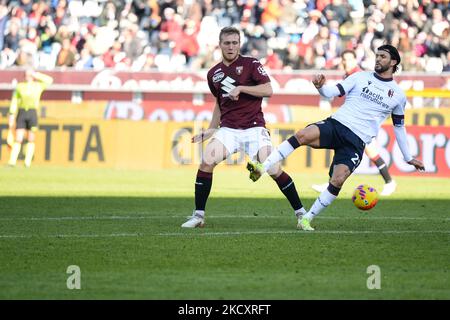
365 197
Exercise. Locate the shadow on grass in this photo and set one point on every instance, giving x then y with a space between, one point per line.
60 206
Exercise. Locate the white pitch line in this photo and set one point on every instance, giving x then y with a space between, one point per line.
232 233
236 233
81 218
209 217
112 235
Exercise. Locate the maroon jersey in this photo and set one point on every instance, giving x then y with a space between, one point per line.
246 111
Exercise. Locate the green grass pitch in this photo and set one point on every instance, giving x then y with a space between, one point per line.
122 228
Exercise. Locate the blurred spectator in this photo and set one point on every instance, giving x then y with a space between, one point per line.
66 56
24 59
115 56
109 16
30 44
273 61
86 61
61 17
447 66
188 45
132 44
256 44
337 10
170 32
145 62
271 14
12 39
3 20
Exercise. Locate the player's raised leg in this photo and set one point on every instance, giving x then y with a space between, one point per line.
284 183
215 152
348 150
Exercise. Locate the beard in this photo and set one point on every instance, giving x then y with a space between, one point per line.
229 58
381 68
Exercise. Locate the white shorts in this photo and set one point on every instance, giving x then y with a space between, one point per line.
249 140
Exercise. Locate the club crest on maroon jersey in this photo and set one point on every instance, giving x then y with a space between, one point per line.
239 70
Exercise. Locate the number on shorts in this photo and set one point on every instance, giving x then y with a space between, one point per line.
356 159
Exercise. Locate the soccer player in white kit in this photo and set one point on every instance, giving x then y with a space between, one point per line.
350 65
371 97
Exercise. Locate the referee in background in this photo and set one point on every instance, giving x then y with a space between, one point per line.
23 114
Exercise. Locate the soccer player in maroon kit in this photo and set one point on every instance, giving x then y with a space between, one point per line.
239 84
350 65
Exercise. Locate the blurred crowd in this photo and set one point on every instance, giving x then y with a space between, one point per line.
179 35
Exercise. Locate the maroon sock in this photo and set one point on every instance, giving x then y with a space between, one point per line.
287 186
203 184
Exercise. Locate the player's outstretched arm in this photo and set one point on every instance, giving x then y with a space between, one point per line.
400 135
318 81
213 125
327 91
43 78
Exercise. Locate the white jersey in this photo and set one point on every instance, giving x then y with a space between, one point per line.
369 101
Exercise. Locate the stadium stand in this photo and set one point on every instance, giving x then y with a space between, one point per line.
181 35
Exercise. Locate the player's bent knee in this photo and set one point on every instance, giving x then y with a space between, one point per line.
275 171
264 152
339 178
212 158
308 135
301 136
205 167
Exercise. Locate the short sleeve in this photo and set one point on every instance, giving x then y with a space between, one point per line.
349 82
211 86
398 114
400 108
259 74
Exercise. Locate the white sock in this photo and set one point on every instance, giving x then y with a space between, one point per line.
199 213
280 153
29 153
14 153
323 201
300 212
